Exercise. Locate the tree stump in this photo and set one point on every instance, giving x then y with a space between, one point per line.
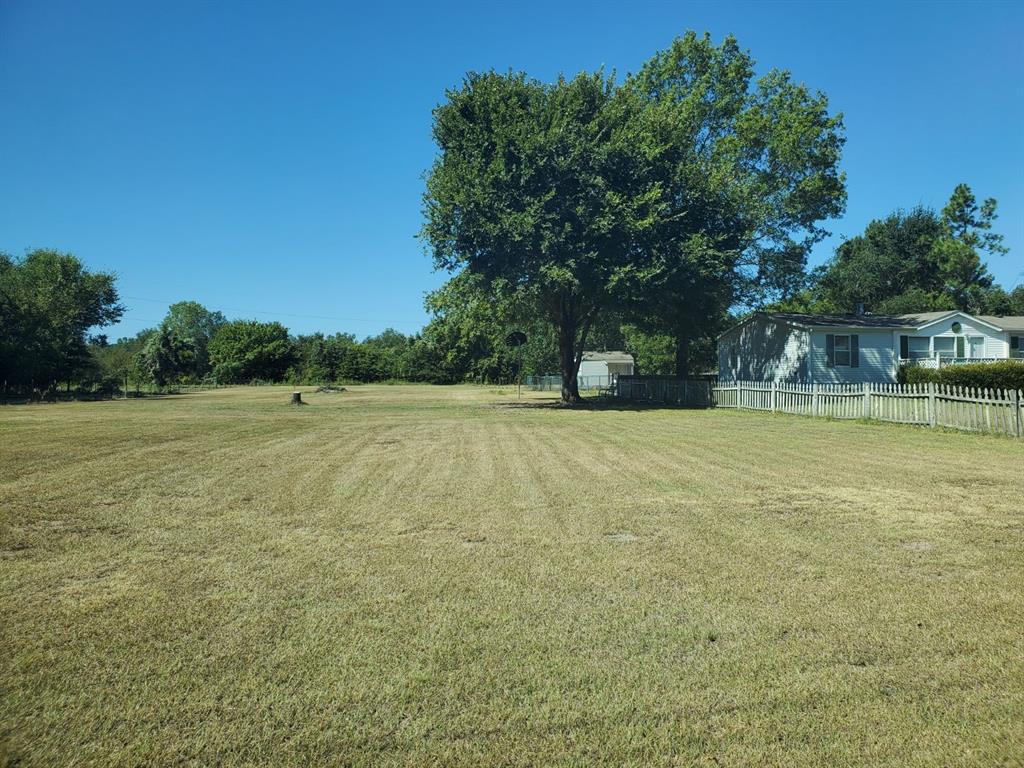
297 398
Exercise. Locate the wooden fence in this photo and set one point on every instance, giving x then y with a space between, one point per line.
978 410
694 393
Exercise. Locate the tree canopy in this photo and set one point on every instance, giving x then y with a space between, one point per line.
914 261
48 301
247 350
589 196
542 190
194 325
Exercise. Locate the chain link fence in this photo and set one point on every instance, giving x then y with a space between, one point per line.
554 383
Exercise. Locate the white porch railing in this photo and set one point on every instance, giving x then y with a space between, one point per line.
941 362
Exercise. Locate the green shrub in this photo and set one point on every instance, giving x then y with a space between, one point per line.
1004 375
914 375
1008 374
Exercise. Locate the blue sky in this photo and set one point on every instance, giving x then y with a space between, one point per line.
266 159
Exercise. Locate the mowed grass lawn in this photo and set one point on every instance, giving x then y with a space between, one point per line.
417 575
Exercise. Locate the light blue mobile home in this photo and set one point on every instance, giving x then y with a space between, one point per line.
835 349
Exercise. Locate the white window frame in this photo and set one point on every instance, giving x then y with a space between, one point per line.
919 354
967 346
935 350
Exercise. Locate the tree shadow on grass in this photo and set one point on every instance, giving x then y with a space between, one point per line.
595 404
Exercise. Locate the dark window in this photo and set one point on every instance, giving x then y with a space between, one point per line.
842 350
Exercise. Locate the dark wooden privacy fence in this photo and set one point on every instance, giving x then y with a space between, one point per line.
693 393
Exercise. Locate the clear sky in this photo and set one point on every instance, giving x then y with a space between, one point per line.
266 158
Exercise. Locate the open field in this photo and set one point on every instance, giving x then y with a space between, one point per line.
418 575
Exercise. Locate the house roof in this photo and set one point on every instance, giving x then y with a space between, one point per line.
930 318
608 357
853 321
920 319
1005 322
909 321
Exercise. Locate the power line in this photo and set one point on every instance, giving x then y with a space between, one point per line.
137 319
288 314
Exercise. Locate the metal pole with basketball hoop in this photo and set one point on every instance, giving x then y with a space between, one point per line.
516 340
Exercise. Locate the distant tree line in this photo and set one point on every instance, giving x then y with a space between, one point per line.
910 261
51 308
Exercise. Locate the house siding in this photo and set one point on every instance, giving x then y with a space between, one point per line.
766 350
593 368
877 362
604 368
996 342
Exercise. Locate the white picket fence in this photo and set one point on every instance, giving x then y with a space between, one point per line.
935 405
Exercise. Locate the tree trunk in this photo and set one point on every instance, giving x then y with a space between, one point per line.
570 350
567 361
682 356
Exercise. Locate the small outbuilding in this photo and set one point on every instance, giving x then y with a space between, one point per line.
606 364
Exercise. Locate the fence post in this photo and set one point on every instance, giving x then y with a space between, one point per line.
774 385
1016 412
867 400
931 404
814 399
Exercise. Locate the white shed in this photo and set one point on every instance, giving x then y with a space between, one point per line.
606 364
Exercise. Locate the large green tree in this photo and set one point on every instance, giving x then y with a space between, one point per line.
589 196
166 356
48 302
193 325
999 301
894 255
245 350
958 255
752 168
543 191
915 261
